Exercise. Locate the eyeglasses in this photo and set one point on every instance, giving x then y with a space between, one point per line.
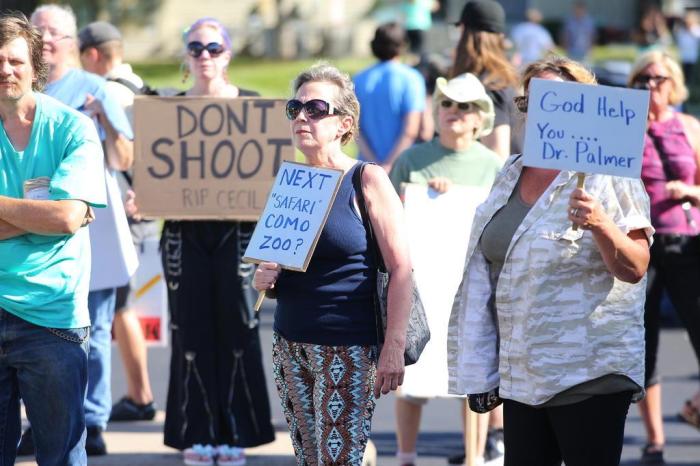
642 81
196 48
463 106
53 35
315 109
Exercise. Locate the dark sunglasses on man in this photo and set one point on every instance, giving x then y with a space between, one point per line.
315 109
462 106
196 48
643 81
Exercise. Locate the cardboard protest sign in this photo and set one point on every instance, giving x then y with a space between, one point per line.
294 215
585 128
207 157
438 228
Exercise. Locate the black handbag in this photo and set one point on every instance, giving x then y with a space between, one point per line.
417 333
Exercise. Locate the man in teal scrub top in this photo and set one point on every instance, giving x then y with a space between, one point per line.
51 171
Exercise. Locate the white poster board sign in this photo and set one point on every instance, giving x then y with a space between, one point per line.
114 258
294 215
585 128
438 227
148 295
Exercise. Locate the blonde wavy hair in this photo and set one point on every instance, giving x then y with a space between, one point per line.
679 93
566 68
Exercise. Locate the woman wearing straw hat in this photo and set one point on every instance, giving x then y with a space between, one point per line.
463 112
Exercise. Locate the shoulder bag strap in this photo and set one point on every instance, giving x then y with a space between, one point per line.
371 239
670 176
668 171
371 245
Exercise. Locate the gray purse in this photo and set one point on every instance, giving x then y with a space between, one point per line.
417 333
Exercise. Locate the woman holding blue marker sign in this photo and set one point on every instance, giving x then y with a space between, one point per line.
550 318
325 343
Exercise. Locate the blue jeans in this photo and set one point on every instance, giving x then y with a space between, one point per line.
98 402
47 368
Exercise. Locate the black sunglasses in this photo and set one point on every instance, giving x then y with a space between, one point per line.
463 106
644 80
196 48
315 109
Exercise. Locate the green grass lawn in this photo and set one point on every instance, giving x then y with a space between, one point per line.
272 78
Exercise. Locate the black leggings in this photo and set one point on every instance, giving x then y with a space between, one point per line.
581 434
674 267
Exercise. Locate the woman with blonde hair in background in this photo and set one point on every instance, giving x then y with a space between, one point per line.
671 175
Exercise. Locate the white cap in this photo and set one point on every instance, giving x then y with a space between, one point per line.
467 88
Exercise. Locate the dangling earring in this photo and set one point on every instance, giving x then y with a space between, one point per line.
185 70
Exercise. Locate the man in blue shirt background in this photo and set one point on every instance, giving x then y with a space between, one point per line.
392 100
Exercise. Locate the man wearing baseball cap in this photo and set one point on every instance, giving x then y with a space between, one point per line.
102 53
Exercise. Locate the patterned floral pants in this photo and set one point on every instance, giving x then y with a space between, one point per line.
326 394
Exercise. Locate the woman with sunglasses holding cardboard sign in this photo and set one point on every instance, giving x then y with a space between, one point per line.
325 343
671 175
217 396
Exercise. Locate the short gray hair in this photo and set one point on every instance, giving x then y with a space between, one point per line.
346 100
65 12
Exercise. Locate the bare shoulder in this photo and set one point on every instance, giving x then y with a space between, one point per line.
374 176
689 121
691 126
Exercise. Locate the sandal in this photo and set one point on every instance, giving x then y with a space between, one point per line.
652 454
690 414
229 456
199 455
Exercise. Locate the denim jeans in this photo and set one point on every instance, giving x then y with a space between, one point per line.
98 402
47 368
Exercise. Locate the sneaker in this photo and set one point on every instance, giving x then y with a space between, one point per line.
652 454
94 442
495 446
26 443
199 455
459 458
229 456
497 460
128 410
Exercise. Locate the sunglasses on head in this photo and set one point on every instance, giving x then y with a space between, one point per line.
196 49
315 109
644 80
463 106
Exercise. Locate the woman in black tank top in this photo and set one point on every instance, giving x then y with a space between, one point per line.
325 341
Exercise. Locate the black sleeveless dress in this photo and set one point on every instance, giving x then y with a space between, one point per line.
217 392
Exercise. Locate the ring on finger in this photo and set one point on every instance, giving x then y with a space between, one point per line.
574 212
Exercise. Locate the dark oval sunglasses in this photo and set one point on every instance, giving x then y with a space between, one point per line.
315 109
196 48
463 106
643 81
